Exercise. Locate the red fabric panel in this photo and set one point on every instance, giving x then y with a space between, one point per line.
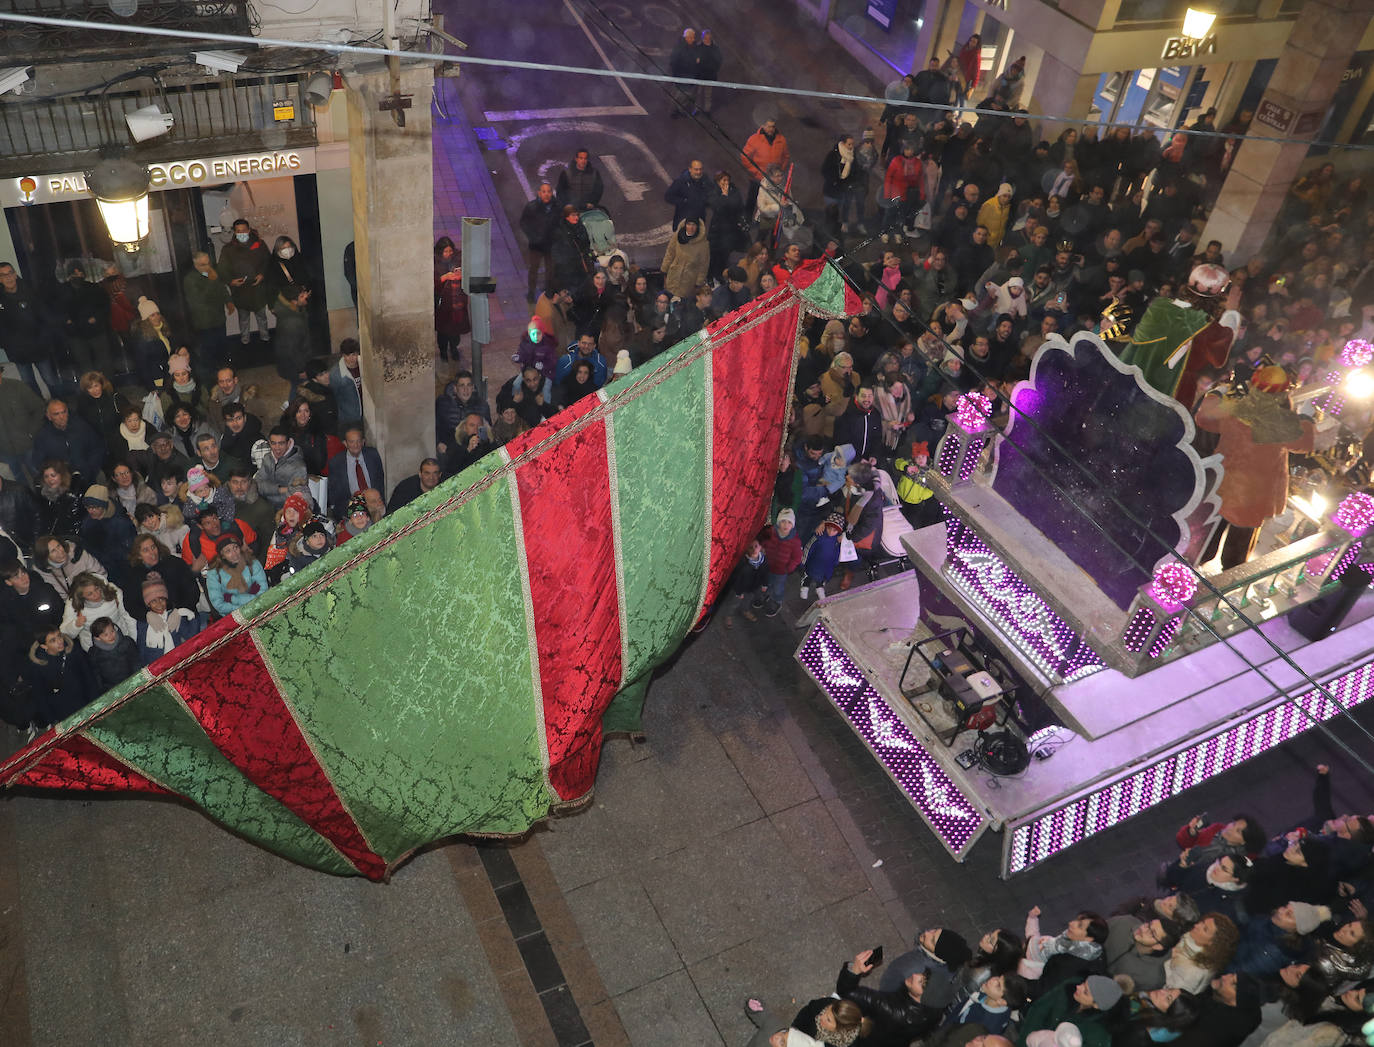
565 507
237 704
749 387
74 763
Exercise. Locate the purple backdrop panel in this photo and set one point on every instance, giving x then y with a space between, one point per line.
1129 443
931 791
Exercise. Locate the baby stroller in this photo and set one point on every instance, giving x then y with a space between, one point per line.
601 233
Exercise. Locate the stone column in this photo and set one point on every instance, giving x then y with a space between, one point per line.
393 220
1308 72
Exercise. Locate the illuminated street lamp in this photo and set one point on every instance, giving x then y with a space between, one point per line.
120 188
1197 24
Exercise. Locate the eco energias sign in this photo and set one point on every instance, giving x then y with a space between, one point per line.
172 174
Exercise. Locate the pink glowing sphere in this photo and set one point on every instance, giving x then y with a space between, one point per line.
1174 583
1357 352
973 412
1355 514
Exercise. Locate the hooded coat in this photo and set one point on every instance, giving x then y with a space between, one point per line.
685 262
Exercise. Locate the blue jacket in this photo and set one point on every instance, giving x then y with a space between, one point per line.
566 361
78 445
347 398
1264 950
822 557
227 601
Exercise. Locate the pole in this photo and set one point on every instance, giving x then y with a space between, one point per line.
477 282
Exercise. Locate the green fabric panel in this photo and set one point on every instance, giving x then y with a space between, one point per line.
411 678
661 473
826 293
156 736
625 714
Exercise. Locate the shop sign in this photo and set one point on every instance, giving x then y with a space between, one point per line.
1271 114
1177 47
283 109
172 174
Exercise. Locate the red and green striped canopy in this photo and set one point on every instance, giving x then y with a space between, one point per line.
453 669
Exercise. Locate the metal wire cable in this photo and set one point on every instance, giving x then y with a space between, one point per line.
550 67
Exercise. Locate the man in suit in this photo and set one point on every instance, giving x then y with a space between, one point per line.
356 468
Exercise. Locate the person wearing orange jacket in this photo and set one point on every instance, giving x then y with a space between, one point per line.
766 147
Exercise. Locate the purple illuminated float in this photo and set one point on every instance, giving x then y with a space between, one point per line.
1120 454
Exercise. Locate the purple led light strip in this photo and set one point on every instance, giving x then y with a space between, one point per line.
931 791
1034 841
1012 605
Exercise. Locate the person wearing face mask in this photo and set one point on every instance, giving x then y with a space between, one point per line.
208 303
243 263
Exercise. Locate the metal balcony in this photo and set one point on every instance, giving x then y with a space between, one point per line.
34 44
65 134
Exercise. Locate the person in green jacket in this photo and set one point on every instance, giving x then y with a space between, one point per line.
1087 1005
208 303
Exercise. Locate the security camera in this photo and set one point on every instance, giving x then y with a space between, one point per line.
148 122
218 61
13 78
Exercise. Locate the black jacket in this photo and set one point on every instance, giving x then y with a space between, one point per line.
570 251
78 445
1219 1025
182 588
897 1018
862 429
240 445
538 221
115 665
18 514
21 325
689 196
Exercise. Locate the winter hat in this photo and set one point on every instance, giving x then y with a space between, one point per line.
179 361
952 950
837 519
833 328
196 478
1309 917
357 504
622 362
787 516
227 539
161 434
1066 1035
313 528
96 496
147 308
300 503
153 587
1005 187
1015 281
541 325
1105 992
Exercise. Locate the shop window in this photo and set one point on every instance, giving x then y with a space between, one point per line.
1174 10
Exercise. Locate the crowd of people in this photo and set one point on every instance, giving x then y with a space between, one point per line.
130 518
1240 920
971 241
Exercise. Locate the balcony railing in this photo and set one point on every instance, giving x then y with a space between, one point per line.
64 134
33 43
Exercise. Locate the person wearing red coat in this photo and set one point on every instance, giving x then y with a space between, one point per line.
782 551
902 190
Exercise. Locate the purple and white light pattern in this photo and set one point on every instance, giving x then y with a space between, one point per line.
1138 631
1355 514
1357 353
1013 606
1174 584
973 412
931 791
1034 841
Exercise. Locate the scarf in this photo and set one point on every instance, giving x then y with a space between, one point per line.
128 497
137 441
187 389
846 160
158 636
835 1037
106 645
236 581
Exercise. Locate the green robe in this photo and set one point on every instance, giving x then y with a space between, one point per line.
1165 327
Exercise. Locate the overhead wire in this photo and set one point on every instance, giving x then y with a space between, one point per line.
661 78
624 74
